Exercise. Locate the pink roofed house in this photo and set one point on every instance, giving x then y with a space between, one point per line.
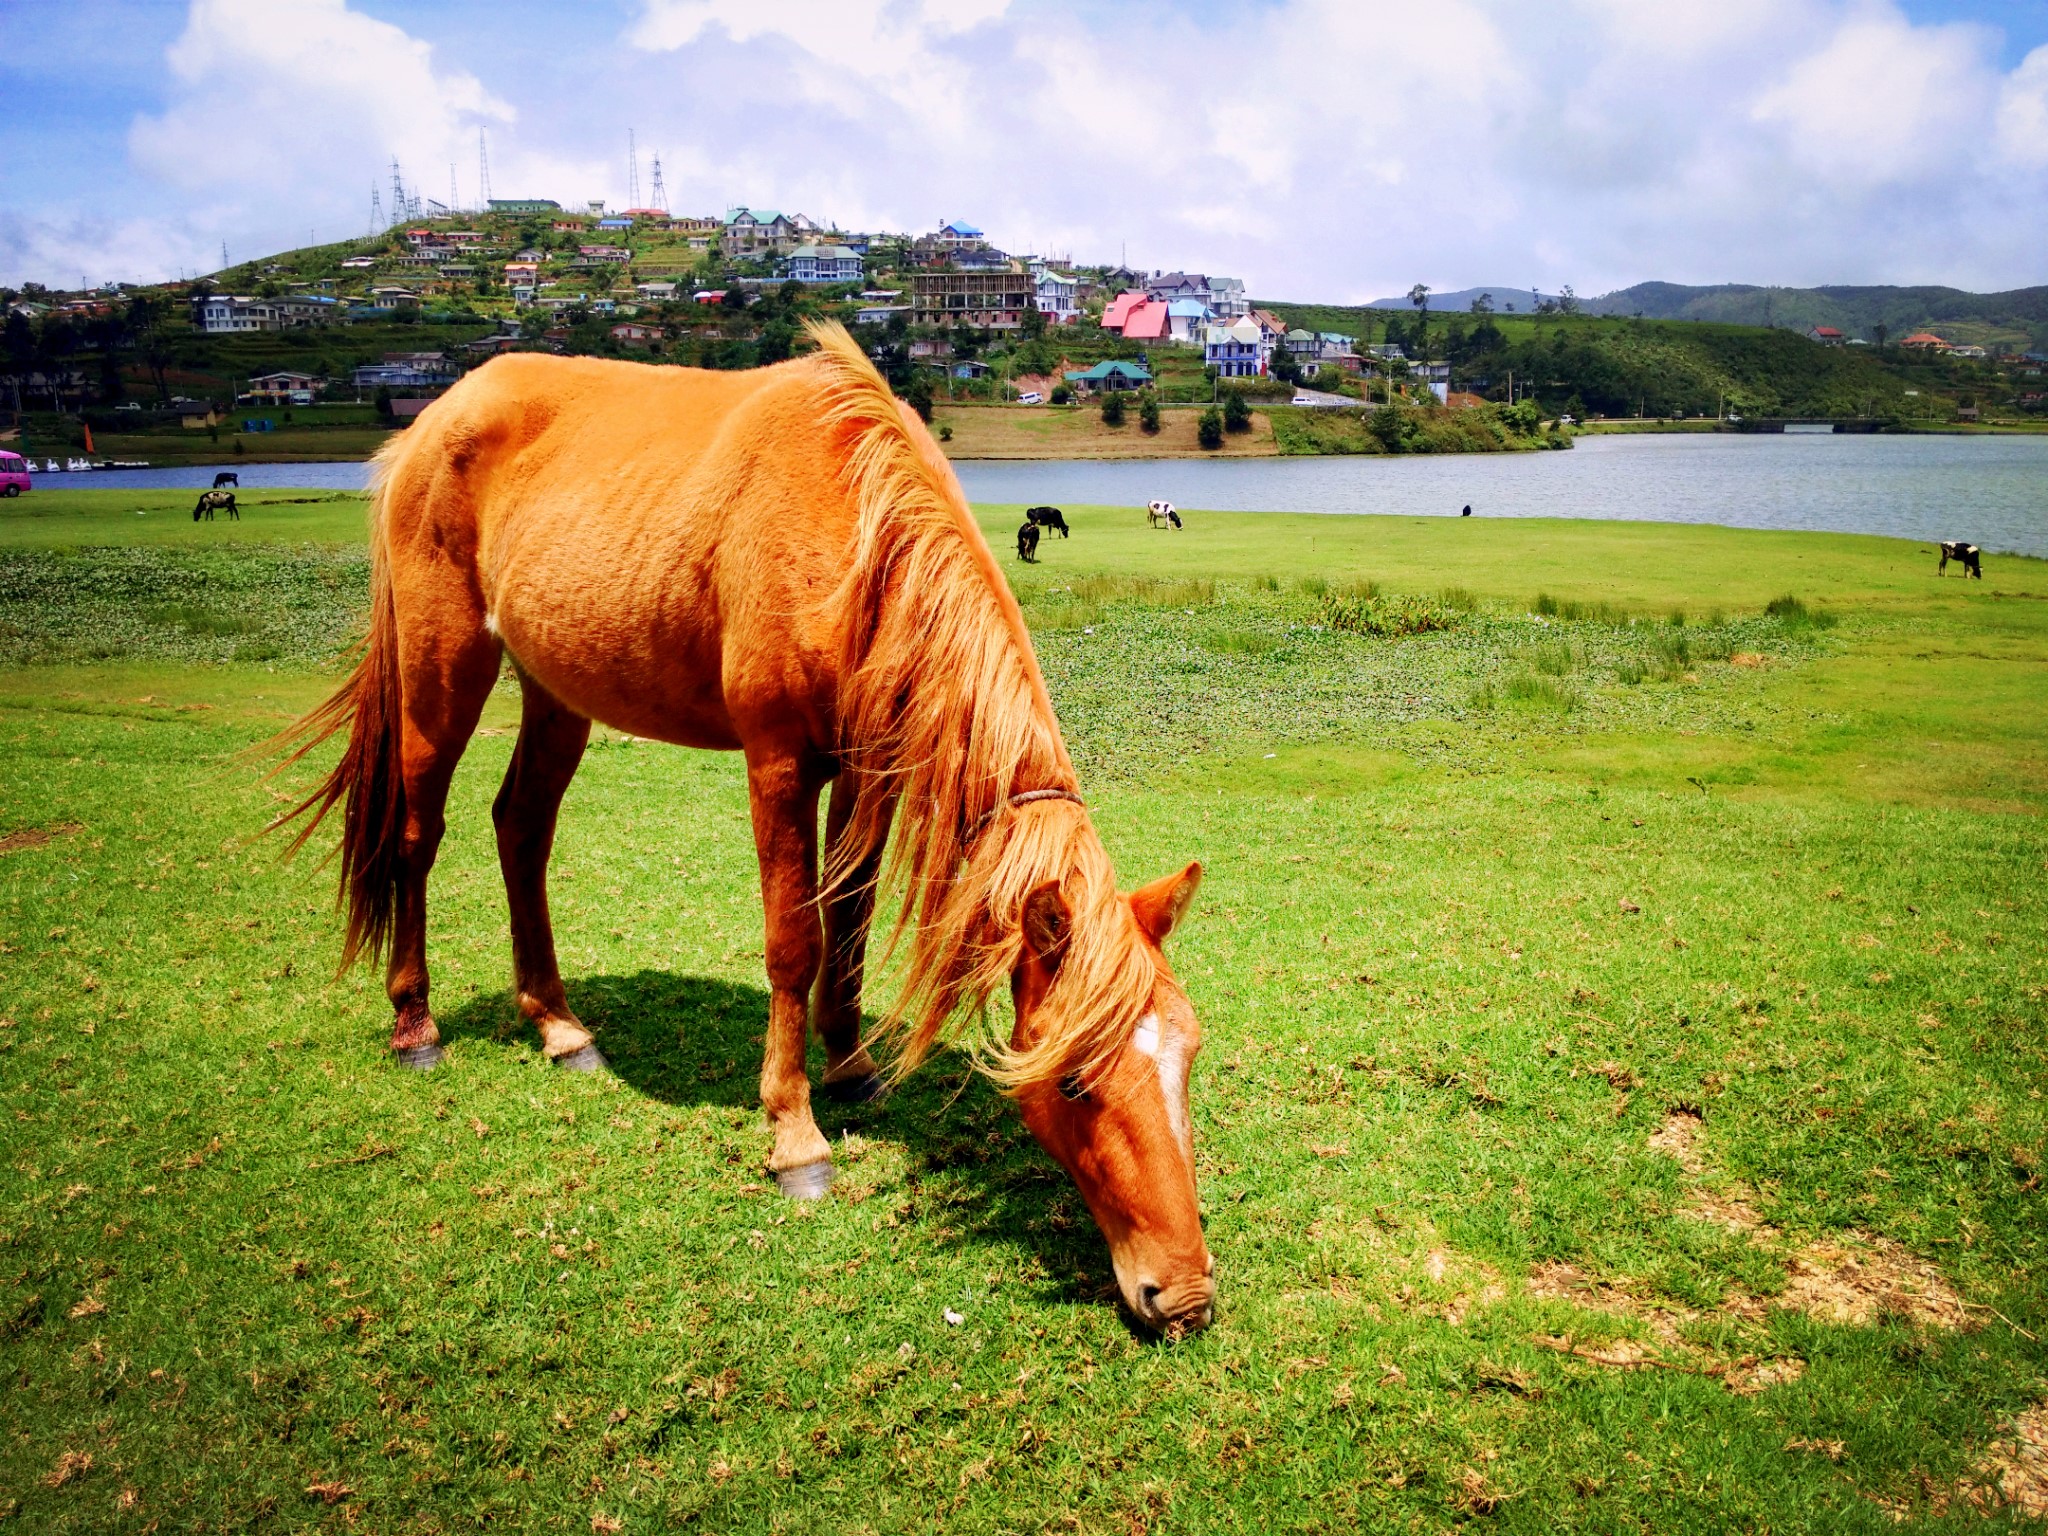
1120 308
1149 321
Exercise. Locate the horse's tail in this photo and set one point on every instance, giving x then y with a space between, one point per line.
368 782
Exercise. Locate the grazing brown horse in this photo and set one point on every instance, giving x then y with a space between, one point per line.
779 563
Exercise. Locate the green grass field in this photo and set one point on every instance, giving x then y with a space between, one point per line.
1621 1106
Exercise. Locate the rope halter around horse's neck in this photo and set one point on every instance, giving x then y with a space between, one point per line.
1022 798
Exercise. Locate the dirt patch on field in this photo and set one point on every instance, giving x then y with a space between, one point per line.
35 837
2010 1477
1855 1279
1863 1279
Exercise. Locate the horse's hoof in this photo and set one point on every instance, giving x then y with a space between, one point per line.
855 1090
589 1059
810 1182
421 1058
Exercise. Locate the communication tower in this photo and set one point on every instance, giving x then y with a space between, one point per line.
632 171
658 197
483 171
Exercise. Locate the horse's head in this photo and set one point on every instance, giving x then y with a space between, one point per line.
1123 1132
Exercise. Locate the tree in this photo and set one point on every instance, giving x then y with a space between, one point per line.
1112 407
1880 331
1419 297
1209 431
384 402
1033 323
1286 366
1061 394
1483 305
1567 300
919 394
778 340
1148 411
1388 426
1237 414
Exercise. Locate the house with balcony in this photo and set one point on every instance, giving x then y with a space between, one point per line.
1058 296
823 264
1185 319
949 244
406 370
1236 349
759 234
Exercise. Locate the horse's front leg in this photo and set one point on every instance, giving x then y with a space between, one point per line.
850 1075
783 792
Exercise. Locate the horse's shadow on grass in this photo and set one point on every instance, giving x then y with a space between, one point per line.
974 1171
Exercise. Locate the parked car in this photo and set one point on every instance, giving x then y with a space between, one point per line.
1303 400
13 474
1031 397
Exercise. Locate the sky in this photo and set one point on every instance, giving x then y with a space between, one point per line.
1334 150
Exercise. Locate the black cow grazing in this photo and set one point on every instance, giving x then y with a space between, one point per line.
216 501
1965 554
1048 518
1027 543
226 477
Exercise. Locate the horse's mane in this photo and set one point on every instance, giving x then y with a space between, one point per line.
943 716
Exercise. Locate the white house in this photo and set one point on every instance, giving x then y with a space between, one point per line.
824 264
1058 297
656 292
221 314
285 387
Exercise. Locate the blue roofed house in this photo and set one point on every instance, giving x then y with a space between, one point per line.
1185 319
823 264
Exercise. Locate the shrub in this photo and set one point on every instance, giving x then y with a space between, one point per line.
945 432
1794 614
1209 430
1630 670
1532 691
919 394
1463 599
1148 411
1387 426
1113 408
1237 414
1362 614
1061 394
1313 586
1552 660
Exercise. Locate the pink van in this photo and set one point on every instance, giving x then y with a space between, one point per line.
13 473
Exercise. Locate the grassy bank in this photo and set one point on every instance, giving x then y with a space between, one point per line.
1620 1106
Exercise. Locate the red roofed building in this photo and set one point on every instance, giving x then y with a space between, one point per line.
1925 341
1120 308
1149 321
1826 335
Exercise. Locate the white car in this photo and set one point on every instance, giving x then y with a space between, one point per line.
1031 397
1303 400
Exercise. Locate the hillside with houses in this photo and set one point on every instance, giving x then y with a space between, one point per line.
316 352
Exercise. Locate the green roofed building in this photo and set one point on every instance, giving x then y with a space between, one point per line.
519 206
1112 374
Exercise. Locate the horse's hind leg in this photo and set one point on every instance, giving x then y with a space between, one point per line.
451 662
551 743
784 796
850 1075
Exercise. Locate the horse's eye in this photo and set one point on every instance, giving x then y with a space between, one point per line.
1071 1087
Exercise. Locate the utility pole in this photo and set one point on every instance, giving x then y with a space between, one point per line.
483 172
454 202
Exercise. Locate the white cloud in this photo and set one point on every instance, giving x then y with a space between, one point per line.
1320 148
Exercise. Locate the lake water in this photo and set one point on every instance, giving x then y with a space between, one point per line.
1991 490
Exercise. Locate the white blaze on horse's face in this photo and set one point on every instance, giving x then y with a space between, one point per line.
1125 1134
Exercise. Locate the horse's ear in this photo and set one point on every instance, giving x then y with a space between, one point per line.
1046 925
1160 906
